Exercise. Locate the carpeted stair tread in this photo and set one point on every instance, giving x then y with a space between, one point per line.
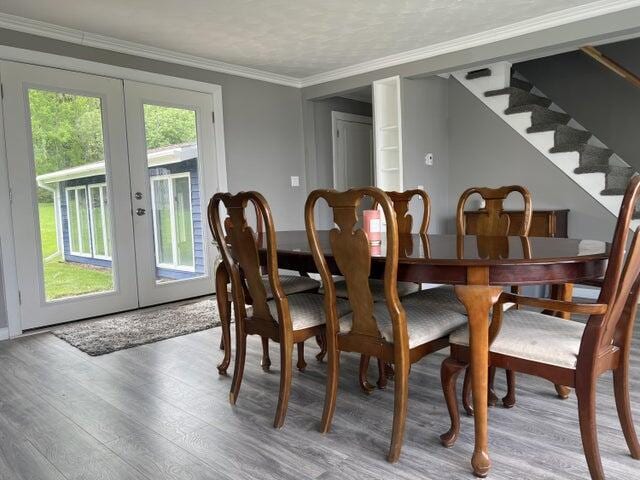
539 114
582 148
563 133
483 72
615 176
613 191
613 170
521 84
518 96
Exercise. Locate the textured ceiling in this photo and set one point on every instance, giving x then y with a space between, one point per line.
289 37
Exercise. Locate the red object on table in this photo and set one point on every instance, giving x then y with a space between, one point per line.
372 226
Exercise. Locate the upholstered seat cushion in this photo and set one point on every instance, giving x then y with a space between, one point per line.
290 284
307 309
424 322
441 297
533 336
377 289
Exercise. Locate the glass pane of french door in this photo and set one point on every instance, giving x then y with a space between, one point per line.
69 158
173 173
172 161
68 169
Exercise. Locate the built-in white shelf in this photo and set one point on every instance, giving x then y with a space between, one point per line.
388 133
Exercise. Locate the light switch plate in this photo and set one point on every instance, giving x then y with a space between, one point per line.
295 181
428 159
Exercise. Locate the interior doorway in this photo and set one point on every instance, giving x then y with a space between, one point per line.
352 140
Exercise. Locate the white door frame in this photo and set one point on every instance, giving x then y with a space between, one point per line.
347 117
7 249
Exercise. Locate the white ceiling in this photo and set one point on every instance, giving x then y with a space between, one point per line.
296 38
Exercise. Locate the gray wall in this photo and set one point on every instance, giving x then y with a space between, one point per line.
485 151
424 130
597 98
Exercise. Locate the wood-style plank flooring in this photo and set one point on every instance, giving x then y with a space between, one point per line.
160 411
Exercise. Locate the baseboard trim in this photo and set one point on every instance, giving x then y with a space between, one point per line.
4 333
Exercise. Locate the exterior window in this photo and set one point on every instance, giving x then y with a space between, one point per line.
88 221
78 221
173 221
99 221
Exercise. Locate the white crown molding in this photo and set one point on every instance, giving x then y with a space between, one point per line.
543 22
71 35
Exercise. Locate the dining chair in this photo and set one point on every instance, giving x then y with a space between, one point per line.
401 202
492 221
385 330
290 284
568 352
285 319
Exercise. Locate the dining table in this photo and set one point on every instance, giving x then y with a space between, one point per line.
479 267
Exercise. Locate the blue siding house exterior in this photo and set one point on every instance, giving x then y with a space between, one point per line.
83 227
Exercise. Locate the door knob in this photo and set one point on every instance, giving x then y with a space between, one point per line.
140 212
138 195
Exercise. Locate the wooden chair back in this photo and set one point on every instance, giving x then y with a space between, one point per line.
259 231
493 221
401 201
620 289
240 255
352 254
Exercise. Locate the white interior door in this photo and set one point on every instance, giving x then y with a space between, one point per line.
352 151
173 174
69 179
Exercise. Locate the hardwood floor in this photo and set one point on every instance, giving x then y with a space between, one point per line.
161 411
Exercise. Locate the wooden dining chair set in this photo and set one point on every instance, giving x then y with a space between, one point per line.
400 324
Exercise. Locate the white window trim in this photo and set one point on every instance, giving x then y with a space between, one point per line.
172 215
92 234
103 221
77 188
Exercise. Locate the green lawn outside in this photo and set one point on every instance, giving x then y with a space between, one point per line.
47 229
67 279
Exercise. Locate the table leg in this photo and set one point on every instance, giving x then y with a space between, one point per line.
563 292
478 300
224 309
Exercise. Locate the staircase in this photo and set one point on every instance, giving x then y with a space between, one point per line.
569 146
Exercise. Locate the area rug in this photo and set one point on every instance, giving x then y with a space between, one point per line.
131 329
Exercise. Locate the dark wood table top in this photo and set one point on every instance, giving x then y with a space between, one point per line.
444 258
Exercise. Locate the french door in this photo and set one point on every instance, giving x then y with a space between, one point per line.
109 181
173 175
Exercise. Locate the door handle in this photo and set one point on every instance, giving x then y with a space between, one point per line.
140 211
